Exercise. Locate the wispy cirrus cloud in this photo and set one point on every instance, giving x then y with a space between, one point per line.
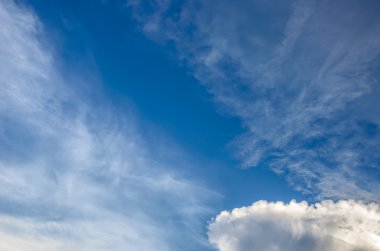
77 174
302 76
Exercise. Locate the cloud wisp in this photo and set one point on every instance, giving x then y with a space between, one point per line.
301 75
77 174
340 226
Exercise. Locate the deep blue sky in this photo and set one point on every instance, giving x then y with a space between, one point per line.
130 125
133 68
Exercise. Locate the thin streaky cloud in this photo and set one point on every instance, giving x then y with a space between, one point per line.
301 75
78 176
82 170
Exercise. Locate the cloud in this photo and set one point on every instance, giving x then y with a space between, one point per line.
270 226
76 173
301 75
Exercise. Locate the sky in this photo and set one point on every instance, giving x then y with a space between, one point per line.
189 125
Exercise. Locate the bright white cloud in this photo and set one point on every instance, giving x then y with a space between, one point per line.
268 226
76 175
302 76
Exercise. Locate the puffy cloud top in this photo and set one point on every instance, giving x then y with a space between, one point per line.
267 226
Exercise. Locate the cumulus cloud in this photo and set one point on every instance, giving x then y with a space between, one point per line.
301 75
269 226
77 174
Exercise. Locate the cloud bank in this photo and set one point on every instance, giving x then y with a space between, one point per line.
268 226
301 75
77 174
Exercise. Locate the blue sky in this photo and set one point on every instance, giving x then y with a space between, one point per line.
133 125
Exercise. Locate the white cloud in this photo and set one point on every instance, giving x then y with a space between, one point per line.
301 75
76 174
268 226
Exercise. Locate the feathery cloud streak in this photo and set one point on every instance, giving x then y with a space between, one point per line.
302 76
76 175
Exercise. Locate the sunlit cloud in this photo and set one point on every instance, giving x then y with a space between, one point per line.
266 226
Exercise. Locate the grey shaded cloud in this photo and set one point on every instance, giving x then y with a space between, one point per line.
270 226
